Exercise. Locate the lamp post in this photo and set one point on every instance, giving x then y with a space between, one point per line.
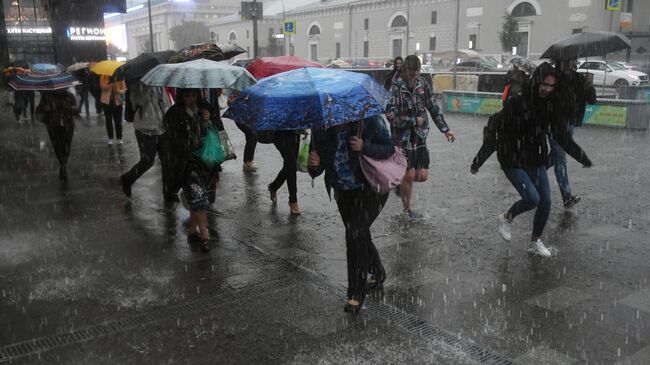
456 42
150 27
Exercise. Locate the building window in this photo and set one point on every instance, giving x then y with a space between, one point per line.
399 21
313 49
434 17
338 49
232 36
270 32
248 34
366 23
576 30
432 44
248 51
314 30
472 41
524 9
217 37
365 49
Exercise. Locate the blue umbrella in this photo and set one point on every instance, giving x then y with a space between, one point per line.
308 98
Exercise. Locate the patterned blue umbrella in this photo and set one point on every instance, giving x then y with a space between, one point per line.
43 81
308 98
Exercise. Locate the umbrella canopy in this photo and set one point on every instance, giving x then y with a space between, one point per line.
230 50
268 66
200 74
587 44
139 66
523 63
42 81
208 51
451 56
45 68
106 68
78 66
308 98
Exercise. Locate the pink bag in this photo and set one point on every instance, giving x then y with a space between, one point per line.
384 175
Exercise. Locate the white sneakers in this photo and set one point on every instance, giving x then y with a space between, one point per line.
505 227
118 141
538 248
110 142
535 247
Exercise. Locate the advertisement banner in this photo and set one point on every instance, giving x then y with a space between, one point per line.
473 104
605 115
626 21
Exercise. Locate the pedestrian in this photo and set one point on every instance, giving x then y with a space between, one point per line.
57 110
23 99
186 123
251 141
288 144
518 133
83 89
95 90
111 98
411 97
397 65
574 92
149 105
516 80
336 152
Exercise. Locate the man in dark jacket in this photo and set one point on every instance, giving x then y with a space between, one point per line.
518 134
574 91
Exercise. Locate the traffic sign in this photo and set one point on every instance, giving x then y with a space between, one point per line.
614 5
289 27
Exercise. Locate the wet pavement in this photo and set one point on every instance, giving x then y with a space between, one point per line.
87 276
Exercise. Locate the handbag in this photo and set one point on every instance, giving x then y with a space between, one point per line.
303 154
383 175
212 152
228 148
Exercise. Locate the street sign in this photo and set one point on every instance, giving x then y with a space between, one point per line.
614 5
289 27
626 20
250 10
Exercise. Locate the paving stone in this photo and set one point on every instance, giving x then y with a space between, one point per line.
559 298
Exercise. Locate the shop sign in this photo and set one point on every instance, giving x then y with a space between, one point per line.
86 34
24 30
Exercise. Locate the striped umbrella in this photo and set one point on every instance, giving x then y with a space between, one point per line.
42 82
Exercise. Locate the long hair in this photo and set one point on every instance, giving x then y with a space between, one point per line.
412 63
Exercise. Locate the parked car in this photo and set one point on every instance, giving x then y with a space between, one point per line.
612 74
485 64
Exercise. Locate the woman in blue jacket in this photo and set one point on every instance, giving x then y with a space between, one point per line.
336 151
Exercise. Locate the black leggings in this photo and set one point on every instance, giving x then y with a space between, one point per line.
359 208
251 142
288 143
149 146
113 115
61 138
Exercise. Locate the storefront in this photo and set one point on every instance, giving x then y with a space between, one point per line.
29 34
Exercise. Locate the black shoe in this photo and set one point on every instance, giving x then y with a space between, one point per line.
398 192
573 200
205 245
354 309
126 187
376 281
194 237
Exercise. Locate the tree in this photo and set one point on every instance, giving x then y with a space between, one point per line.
189 33
509 35
273 49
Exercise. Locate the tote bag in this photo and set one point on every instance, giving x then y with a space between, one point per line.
383 175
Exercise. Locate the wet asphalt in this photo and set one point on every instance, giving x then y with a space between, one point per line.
88 276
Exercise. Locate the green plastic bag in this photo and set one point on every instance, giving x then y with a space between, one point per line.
212 152
303 154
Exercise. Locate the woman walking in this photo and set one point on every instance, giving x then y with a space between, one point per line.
336 152
287 143
519 135
187 123
149 106
57 110
111 98
397 66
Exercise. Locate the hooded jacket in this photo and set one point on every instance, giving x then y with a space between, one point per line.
149 106
518 133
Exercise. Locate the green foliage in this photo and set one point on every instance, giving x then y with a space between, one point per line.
189 33
509 35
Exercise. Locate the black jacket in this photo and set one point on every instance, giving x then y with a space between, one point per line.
573 94
518 133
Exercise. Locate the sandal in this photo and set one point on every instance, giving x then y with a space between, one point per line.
193 237
353 308
273 194
205 245
295 209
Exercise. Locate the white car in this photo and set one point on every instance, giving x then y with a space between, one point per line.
612 74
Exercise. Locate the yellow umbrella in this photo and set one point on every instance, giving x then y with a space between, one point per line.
106 68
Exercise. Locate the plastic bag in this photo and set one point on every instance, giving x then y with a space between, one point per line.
212 152
303 154
228 148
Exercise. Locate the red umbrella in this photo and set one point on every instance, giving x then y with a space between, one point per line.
268 66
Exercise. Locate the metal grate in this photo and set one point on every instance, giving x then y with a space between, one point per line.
224 296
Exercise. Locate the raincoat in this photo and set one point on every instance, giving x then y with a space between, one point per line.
149 106
518 133
574 93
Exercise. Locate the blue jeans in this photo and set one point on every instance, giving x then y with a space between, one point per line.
535 192
558 157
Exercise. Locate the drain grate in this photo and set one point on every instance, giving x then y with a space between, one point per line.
224 296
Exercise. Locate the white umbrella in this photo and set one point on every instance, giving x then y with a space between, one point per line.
199 74
77 66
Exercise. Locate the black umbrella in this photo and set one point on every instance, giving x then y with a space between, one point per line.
139 66
587 44
230 50
208 51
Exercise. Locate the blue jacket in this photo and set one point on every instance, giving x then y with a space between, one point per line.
376 144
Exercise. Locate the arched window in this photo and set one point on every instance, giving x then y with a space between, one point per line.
399 21
314 30
524 9
232 36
